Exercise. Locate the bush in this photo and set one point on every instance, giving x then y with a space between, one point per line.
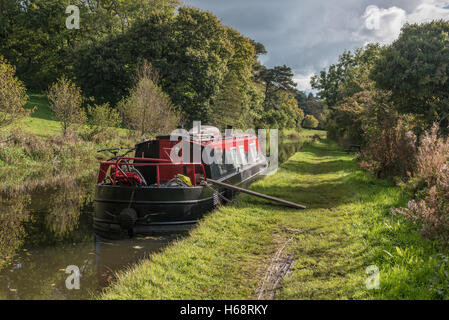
431 208
102 120
66 101
390 151
12 95
310 122
294 136
148 109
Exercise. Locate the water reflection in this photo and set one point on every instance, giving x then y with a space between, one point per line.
44 231
40 273
13 214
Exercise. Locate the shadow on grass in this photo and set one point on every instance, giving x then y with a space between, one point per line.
324 192
41 106
323 167
323 195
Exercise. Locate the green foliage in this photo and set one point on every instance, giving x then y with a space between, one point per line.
37 40
203 64
148 109
103 116
105 69
310 122
280 77
280 108
202 50
38 43
200 62
191 50
66 102
312 106
282 111
102 120
348 76
13 95
350 96
229 104
239 101
415 68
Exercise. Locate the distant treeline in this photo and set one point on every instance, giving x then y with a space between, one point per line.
210 71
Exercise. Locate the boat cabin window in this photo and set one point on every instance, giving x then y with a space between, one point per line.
242 156
252 155
231 159
217 166
234 156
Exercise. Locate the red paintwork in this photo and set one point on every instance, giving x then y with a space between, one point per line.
165 169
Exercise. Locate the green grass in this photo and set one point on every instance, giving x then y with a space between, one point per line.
39 103
347 228
42 121
43 155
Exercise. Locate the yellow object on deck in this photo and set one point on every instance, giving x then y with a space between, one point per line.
185 179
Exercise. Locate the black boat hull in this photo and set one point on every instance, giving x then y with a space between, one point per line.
159 208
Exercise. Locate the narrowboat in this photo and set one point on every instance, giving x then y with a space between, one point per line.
161 187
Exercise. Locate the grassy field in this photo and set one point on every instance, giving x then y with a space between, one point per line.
42 122
244 251
34 152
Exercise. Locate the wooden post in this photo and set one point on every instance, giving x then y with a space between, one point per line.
256 194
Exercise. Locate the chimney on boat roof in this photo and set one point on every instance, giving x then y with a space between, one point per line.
228 131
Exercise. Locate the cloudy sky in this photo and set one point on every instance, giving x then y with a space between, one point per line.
309 35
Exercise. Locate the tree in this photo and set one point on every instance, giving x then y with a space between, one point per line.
35 38
279 109
310 122
191 50
282 112
105 69
415 68
312 106
278 78
13 95
239 101
198 63
344 87
66 102
348 76
228 106
148 109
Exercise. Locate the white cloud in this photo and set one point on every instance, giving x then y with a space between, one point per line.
384 25
303 81
429 11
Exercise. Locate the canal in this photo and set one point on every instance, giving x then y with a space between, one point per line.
44 233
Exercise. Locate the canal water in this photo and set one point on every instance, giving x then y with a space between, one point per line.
47 232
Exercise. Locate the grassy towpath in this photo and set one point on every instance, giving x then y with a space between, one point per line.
254 249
